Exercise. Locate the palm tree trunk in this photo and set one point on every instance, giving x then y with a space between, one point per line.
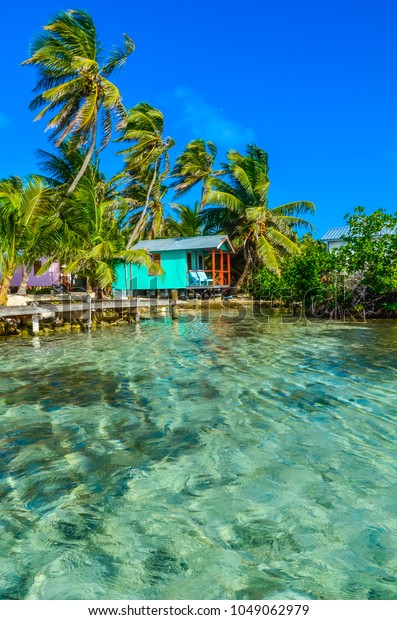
24 283
203 192
5 285
242 279
87 157
136 230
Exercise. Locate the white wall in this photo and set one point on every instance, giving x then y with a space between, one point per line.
338 243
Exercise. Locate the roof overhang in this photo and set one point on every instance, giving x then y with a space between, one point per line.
229 243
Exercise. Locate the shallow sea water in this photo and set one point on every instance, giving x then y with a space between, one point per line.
204 460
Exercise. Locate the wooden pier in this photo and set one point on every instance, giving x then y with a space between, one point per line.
66 308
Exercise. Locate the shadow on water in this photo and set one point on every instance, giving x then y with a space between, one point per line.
63 386
66 469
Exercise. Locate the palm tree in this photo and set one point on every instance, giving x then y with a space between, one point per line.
147 159
153 223
59 169
241 209
73 86
79 226
195 165
26 228
189 222
93 241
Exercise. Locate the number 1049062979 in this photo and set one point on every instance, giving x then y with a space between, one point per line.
270 610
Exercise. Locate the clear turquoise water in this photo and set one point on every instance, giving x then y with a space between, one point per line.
200 460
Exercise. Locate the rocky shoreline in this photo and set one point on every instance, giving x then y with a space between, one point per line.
21 326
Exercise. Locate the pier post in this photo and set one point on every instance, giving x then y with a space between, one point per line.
89 319
174 310
35 324
138 312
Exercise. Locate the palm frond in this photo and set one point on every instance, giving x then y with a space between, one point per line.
118 56
278 239
267 255
295 208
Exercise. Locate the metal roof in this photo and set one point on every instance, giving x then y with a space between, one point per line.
205 242
336 233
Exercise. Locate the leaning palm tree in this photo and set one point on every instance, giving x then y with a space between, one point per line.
26 211
240 208
60 168
153 223
195 165
146 160
73 87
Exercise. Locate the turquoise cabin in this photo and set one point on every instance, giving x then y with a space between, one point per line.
188 263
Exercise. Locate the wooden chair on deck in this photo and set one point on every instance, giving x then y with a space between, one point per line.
204 279
194 278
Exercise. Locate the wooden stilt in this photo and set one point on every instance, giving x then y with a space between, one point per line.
174 310
229 275
213 266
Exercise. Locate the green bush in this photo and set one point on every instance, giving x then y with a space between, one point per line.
304 278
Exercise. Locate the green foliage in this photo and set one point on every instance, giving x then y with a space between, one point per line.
308 275
189 223
73 89
26 226
360 277
193 166
146 166
304 277
61 167
240 208
144 132
91 236
371 250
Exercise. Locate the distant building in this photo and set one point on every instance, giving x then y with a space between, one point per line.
334 237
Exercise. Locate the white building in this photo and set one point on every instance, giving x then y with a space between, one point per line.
334 237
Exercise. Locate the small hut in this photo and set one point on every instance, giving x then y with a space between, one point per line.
188 263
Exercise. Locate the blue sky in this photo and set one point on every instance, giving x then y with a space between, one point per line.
313 83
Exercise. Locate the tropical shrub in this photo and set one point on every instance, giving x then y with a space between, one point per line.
371 250
306 277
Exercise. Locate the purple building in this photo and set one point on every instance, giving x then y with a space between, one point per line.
50 278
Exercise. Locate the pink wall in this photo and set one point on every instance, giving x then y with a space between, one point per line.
50 278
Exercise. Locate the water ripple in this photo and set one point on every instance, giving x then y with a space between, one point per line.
204 459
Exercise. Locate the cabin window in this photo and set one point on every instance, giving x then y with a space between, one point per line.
156 258
189 261
36 266
200 261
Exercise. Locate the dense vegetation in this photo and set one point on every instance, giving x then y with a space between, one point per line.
74 214
358 279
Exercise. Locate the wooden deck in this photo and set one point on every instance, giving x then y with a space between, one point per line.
66 307
80 306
